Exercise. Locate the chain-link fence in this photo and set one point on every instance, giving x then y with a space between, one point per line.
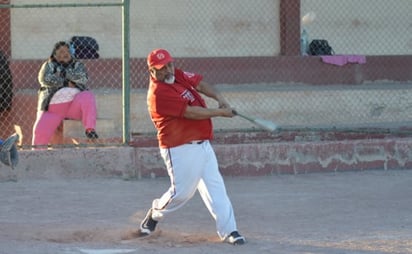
258 53
94 32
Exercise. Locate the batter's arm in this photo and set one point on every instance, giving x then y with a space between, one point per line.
199 113
212 92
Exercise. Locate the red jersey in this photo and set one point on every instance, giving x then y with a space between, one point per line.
167 104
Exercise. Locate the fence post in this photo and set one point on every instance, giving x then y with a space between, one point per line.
126 70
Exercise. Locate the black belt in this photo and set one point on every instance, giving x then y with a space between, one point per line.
196 142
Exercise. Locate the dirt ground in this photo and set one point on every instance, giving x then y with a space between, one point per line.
333 213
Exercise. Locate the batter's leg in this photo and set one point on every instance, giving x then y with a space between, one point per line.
184 169
213 193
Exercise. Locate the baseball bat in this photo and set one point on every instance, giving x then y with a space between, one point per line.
264 124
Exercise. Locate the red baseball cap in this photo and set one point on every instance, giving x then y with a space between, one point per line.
158 58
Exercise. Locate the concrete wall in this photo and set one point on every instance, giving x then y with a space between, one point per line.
252 159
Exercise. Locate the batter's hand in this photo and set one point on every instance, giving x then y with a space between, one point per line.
223 104
228 112
222 101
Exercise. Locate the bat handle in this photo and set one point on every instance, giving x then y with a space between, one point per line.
242 116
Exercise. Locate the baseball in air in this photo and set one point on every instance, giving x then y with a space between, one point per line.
308 18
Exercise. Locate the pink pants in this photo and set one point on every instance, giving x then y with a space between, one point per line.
82 107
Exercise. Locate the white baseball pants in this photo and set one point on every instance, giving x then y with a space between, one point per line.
194 167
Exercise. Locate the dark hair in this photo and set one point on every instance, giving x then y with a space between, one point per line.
57 46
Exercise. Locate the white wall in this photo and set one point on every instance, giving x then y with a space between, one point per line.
38 29
211 28
362 27
188 28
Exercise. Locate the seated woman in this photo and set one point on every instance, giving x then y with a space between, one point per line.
63 94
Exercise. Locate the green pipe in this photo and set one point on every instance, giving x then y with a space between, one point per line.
126 70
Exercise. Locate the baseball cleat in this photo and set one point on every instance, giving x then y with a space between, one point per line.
235 238
148 225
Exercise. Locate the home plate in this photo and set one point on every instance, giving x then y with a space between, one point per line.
106 251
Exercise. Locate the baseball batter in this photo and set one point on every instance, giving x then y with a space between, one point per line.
184 128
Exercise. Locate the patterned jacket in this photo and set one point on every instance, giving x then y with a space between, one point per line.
53 76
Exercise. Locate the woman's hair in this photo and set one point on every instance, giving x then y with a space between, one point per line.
57 46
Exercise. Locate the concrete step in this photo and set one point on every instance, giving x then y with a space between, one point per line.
290 106
74 132
74 128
